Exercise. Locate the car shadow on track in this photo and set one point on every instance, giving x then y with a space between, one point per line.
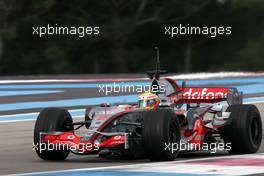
181 157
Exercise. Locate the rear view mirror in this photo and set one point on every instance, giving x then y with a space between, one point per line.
183 85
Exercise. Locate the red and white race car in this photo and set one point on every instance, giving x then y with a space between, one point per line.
184 115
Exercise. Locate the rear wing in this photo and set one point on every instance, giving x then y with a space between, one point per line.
212 95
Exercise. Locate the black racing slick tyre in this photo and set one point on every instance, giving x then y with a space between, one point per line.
161 134
52 119
244 134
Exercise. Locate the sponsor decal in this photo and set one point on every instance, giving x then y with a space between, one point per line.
205 93
71 137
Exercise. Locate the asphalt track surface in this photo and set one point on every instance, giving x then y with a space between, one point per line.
17 156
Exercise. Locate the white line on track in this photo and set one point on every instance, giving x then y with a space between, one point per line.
22 114
36 113
178 76
26 120
68 80
215 75
171 164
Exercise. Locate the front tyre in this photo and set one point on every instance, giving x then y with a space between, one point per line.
160 132
245 132
52 119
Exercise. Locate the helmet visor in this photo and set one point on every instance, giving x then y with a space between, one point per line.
146 103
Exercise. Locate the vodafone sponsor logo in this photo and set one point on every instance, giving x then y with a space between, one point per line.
205 93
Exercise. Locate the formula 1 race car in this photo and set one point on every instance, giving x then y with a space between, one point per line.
182 115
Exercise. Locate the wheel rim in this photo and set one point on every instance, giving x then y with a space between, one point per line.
66 125
255 130
172 133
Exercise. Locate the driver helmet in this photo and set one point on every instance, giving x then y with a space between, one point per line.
148 100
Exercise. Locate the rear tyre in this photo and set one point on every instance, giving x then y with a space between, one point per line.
245 132
160 132
52 119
